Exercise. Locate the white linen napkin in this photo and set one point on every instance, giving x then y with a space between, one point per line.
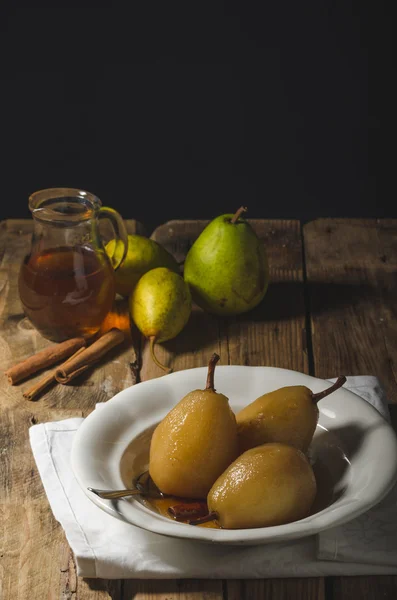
106 547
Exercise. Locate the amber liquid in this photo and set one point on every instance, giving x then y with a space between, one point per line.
67 292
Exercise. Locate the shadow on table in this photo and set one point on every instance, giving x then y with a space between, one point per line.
201 330
288 299
283 301
111 586
157 588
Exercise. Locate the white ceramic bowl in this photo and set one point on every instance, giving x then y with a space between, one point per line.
354 450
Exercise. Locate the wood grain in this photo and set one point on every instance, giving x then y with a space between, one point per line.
19 339
351 268
351 287
272 334
35 558
180 589
365 588
277 589
352 279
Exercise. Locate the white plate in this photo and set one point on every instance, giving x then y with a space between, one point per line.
354 450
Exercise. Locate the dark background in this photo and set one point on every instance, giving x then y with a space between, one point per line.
188 110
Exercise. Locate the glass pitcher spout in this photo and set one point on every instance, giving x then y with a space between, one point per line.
66 283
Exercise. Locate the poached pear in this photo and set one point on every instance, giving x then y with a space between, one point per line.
288 415
226 267
160 306
268 485
143 254
194 443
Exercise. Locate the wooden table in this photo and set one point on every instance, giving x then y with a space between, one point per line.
331 309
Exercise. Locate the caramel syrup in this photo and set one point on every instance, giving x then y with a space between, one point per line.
67 292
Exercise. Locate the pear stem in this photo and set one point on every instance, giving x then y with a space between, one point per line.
152 340
238 213
335 386
211 372
212 516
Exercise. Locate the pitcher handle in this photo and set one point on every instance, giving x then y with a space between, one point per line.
121 233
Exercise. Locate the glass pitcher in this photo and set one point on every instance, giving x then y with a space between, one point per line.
66 283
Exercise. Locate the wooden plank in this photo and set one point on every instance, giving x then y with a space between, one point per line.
19 339
351 267
202 336
276 589
273 333
188 589
269 335
351 271
36 561
19 478
366 588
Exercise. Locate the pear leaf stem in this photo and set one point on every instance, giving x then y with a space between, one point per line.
238 214
152 341
212 516
211 372
335 386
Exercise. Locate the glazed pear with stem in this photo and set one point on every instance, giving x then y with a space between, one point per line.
269 485
288 415
194 443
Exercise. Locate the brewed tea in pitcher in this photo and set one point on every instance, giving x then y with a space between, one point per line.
66 291
66 283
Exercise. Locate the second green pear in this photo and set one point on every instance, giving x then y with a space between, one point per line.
143 254
226 268
160 306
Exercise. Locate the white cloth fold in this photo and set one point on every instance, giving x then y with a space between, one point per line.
105 547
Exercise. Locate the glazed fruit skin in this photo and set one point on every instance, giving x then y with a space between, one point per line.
226 267
193 444
287 415
269 485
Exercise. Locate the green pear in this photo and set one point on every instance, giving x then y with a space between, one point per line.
226 268
160 306
143 254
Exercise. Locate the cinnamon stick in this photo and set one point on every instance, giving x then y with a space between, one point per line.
41 385
187 510
45 358
80 363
